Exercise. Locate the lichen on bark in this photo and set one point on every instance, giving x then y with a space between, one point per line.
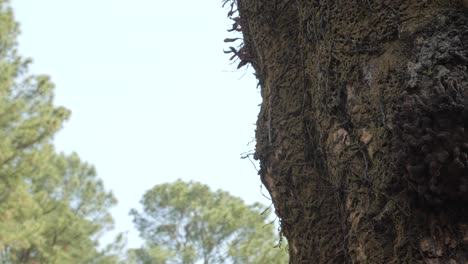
361 134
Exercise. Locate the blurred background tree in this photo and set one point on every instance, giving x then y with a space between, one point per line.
53 208
186 222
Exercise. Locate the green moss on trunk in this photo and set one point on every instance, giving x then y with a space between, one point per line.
361 134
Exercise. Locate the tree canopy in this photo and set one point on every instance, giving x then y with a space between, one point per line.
53 208
186 222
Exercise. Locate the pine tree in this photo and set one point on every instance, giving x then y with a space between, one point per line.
186 222
53 208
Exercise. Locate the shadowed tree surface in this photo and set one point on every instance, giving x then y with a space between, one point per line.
186 222
361 134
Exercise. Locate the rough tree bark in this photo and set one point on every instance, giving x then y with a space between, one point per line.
361 134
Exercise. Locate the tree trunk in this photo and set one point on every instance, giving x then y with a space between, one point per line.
361 134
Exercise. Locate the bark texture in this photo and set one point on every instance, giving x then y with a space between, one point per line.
361 134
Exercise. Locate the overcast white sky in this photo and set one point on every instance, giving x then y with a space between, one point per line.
152 95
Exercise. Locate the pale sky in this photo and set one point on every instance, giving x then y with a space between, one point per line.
153 97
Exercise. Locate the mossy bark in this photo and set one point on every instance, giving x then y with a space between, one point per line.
361 134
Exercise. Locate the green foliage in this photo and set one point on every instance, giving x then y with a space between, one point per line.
187 223
53 208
